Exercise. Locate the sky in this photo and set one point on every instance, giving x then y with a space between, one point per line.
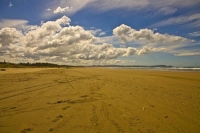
101 32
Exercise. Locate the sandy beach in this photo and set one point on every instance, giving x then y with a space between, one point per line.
99 100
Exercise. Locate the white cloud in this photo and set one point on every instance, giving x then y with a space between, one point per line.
61 10
69 43
9 36
58 42
21 25
167 10
169 6
188 54
96 32
105 5
63 21
166 7
195 34
191 20
157 4
41 22
13 23
146 50
48 9
76 4
127 34
73 6
151 41
45 32
10 4
108 39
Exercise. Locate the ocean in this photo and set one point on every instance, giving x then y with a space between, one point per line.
195 69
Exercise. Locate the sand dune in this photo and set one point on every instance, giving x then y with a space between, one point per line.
99 100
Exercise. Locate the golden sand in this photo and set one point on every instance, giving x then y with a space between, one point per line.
99 100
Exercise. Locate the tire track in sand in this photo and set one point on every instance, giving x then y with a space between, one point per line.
107 115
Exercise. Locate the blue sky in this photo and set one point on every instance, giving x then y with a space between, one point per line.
123 32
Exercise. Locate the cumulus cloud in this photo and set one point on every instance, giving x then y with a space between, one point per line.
10 42
21 25
63 21
48 9
127 34
9 36
45 32
61 10
151 41
57 41
146 50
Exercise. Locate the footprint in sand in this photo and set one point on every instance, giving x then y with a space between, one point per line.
57 118
84 96
26 130
64 108
51 129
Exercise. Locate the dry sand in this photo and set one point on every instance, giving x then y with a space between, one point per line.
99 100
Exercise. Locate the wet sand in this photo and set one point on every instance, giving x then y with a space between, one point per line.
99 100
